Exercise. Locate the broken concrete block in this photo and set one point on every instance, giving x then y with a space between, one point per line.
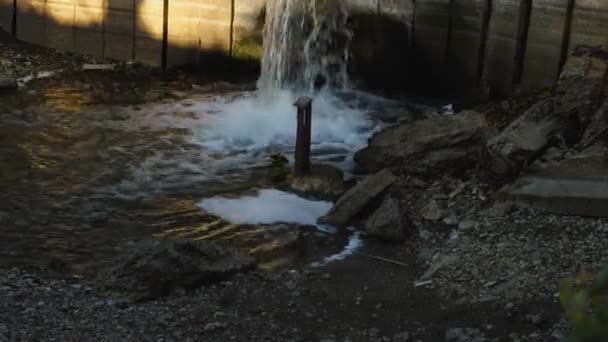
356 199
576 186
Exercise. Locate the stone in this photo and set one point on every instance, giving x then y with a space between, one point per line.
467 224
434 145
440 262
153 269
324 181
388 222
499 209
356 199
8 85
598 128
535 319
431 212
403 337
464 335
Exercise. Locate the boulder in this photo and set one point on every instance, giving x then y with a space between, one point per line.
560 119
356 199
7 85
158 268
433 145
388 222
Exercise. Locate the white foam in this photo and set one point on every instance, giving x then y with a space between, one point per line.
269 118
354 243
268 206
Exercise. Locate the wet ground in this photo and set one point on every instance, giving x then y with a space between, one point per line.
77 184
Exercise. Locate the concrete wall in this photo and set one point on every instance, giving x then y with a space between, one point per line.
6 14
545 37
590 23
452 43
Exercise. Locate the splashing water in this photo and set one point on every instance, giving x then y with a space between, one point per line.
306 45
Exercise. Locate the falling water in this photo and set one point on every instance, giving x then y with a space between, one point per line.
306 45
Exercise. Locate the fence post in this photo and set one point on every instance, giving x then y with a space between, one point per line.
302 155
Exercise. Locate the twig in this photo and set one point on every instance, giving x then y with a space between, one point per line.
394 262
595 137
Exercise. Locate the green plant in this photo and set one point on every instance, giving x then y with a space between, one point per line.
585 301
279 168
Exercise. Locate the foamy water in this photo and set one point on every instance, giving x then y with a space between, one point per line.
268 206
274 206
354 243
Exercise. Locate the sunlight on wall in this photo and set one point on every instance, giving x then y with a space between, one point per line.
150 18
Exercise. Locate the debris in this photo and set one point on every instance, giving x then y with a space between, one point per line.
94 67
390 261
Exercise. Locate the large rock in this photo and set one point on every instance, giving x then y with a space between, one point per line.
154 269
388 222
7 85
434 145
560 119
356 199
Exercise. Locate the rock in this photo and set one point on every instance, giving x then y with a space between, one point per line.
388 222
464 335
467 224
535 319
451 220
403 337
215 326
431 211
324 181
498 210
559 119
356 199
8 85
598 128
158 268
439 263
434 145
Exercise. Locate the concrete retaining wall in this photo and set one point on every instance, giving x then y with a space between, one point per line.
6 15
453 43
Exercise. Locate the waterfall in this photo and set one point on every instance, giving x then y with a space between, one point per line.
306 44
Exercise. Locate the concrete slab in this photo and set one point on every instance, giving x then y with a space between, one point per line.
576 186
